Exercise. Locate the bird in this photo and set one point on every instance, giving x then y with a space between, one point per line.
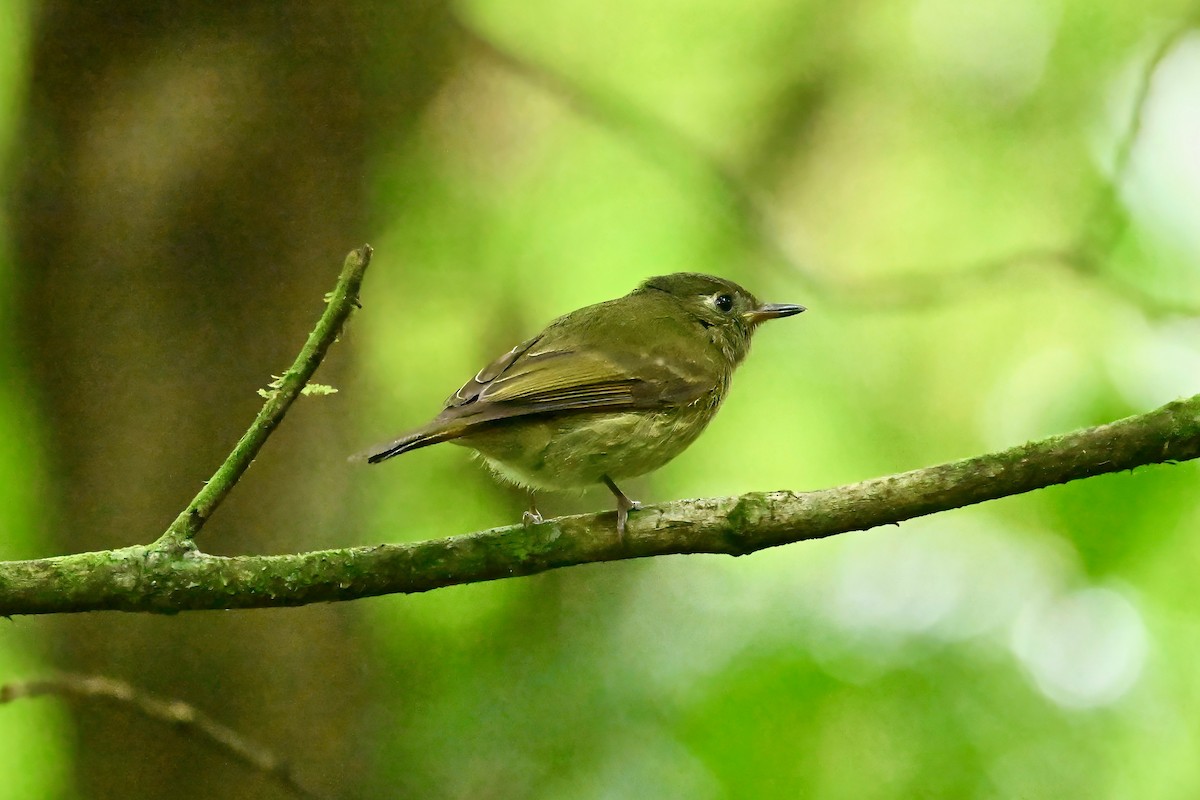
605 393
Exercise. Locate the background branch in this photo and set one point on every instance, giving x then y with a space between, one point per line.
757 216
663 144
1099 232
143 579
175 713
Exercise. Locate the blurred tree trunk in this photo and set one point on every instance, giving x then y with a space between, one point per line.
189 178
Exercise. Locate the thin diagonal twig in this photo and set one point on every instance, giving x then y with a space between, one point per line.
284 391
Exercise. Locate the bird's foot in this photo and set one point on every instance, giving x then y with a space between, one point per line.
624 506
532 517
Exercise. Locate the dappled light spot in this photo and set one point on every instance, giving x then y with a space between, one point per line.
1083 649
1050 391
948 580
1150 365
997 46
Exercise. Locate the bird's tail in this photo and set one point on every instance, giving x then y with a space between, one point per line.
413 440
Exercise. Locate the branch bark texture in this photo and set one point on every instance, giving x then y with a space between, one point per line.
166 580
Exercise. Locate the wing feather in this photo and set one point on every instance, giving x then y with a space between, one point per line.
536 381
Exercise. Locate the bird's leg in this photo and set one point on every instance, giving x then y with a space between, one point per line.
624 506
532 516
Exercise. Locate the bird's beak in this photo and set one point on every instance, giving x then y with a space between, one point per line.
771 311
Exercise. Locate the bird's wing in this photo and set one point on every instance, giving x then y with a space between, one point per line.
470 391
531 379
527 381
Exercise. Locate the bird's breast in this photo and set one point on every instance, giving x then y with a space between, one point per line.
571 451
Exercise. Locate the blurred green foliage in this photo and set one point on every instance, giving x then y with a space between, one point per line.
34 758
1041 646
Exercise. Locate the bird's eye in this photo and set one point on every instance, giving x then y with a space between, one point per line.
724 303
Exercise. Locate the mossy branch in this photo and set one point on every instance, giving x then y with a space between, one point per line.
165 581
280 395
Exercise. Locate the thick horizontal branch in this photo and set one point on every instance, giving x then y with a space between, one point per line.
165 580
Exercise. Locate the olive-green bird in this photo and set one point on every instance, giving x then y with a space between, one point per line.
608 392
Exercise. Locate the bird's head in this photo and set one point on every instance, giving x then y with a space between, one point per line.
725 309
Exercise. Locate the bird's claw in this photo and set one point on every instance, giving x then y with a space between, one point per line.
623 509
624 506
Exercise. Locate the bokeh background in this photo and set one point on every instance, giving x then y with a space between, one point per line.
996 240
